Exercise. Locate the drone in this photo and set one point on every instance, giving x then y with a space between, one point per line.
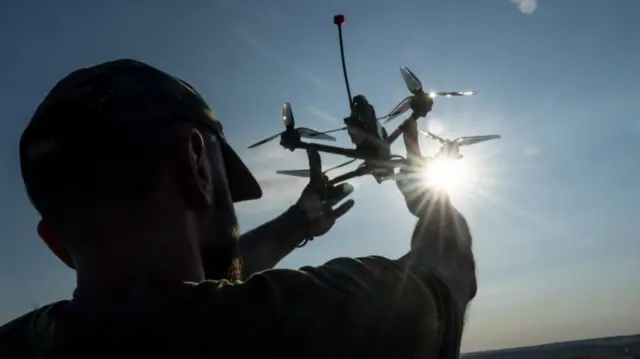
366 131
450 149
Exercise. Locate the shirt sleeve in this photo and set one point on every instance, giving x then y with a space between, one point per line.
443 230
349 307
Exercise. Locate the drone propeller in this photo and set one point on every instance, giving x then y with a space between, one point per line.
433 136
451 94
411 80
470 140
270 138
307 172
415 87
289 123
462 141
296 173
287 116
402 107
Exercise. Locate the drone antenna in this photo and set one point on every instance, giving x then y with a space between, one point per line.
338 20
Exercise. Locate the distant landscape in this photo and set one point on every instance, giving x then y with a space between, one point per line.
602 348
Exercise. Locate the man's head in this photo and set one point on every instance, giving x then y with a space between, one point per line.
121 150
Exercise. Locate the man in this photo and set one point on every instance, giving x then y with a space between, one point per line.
135 184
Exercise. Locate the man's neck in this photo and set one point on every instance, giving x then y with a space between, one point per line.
129 269
124 301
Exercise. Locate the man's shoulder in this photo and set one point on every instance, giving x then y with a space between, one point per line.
33 319
276 293
343 282
340 276
29 330
262 290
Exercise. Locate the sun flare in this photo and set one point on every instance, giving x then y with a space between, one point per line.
451 175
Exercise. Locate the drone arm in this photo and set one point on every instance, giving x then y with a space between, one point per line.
341 165
348 152
361 171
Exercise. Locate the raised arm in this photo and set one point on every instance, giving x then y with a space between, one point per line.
263 247
441 228
370 307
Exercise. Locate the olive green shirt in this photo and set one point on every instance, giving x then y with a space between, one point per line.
348 308
370 307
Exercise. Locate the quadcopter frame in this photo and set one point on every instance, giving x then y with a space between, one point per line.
366 131
291 139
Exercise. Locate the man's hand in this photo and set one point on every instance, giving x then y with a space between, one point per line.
313 215
319 198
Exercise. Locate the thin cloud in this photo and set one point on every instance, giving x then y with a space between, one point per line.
322 115
279 191
526 6
267 155
271 55
531 151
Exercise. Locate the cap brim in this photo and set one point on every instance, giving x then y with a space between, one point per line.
242 184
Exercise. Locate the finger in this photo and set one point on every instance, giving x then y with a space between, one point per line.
342 209
410 136
336 194
340 189
315 167
411 125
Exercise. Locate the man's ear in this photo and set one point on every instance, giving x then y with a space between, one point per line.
52 240
196 172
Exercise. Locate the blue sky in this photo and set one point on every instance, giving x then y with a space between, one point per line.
555 204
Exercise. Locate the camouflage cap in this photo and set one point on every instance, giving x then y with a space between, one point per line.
118 93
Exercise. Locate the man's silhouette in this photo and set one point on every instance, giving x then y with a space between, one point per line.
136 186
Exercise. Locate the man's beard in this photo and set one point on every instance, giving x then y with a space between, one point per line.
221 258
221 254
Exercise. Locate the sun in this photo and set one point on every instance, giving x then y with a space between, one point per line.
452 175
